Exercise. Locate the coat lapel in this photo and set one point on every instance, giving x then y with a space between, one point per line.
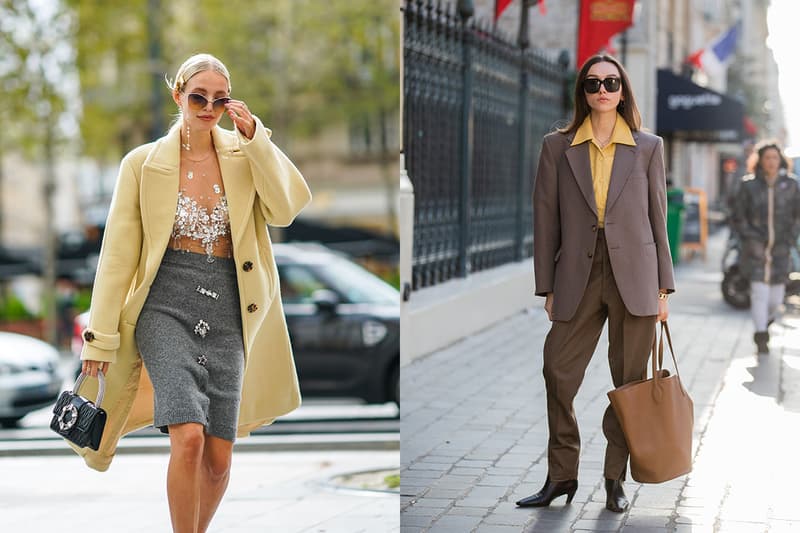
236 178
578 157
159 190
624 157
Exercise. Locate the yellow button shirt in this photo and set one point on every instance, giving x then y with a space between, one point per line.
602 159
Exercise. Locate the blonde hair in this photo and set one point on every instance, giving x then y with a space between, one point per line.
193 65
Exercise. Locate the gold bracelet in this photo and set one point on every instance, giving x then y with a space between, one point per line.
662 295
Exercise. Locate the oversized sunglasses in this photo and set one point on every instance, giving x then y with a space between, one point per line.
198 102
592 85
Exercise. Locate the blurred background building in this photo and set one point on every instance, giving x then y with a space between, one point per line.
84 83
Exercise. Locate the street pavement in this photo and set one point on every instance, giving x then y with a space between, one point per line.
283 492
285 477
474 428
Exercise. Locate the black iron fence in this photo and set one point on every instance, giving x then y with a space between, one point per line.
475 110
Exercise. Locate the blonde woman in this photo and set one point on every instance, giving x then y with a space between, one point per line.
186 319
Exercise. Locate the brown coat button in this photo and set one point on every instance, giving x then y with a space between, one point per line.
88 336
247 266
252 308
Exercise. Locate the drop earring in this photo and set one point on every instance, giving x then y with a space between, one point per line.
187 146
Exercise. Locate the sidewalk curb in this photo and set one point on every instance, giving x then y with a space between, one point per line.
260 443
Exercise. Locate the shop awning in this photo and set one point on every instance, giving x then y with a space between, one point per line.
693 113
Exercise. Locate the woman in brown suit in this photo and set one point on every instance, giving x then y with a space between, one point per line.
600 252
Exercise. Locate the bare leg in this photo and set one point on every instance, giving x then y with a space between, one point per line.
214 476
183 475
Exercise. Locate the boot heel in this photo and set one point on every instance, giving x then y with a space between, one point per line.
550 492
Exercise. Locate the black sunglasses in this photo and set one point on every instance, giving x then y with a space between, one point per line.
198 102
592 85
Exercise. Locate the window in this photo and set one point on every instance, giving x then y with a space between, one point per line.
298 283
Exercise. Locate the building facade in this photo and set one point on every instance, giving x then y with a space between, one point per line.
664 34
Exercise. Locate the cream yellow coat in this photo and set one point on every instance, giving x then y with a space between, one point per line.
262 187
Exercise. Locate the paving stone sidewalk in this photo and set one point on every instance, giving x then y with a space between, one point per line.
474 428
280 492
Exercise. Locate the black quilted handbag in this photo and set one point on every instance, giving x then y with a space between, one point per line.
79 420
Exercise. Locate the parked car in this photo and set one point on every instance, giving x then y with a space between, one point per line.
344 323
29 376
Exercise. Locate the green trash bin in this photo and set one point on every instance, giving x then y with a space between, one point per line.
675 208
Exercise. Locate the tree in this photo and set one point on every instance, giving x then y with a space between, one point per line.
304 64
35 64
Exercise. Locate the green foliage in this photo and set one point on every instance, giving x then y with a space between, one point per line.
12 308
392 277
82 300
392 482
34 62
299 64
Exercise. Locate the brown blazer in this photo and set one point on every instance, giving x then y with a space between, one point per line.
565 223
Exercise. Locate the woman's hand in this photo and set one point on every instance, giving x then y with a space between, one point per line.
90 368
241 117
548 306
663 310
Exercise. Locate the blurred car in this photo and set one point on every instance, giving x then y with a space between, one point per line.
344 323
29 376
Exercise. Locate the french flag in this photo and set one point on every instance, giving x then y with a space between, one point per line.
712 58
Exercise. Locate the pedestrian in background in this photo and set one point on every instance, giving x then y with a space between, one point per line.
187 284
600 252
766 217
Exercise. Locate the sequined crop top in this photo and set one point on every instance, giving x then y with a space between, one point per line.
210 230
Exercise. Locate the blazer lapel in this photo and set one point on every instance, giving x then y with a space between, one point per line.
578 157
239 188
624 157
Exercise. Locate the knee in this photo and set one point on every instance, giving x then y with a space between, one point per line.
188 441
550 368
218 465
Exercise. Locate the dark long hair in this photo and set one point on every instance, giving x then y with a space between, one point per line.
765 145
626 107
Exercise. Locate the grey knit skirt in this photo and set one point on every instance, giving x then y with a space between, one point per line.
189 335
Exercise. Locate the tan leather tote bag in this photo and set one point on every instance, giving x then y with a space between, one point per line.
656 416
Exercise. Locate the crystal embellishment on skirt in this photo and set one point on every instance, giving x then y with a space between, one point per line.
217 189
202 360
202 328
206 292
190 175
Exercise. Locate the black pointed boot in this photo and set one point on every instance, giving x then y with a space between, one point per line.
551 491
761 338
616 500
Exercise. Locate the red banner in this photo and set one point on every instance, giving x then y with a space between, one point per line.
499 7
600 21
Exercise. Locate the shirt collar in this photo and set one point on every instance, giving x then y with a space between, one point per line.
621 135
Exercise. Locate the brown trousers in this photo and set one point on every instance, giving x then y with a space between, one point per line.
567 350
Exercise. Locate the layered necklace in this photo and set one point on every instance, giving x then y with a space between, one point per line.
190 174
